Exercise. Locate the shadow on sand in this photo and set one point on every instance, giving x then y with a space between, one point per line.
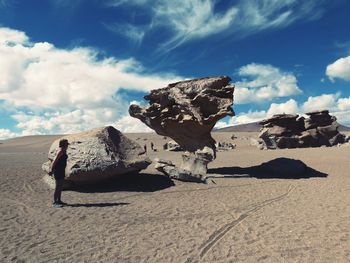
128 182
280 168
97 204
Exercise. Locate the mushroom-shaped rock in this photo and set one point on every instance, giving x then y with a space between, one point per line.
99 154
187 111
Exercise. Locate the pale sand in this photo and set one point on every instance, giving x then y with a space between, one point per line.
147 219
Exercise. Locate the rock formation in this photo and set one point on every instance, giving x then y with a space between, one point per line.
224 146
99 154
172 146
292 131
187 111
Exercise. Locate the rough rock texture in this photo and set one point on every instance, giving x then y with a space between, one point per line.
99 154
172 146
224 146
187 111
292 131
168 168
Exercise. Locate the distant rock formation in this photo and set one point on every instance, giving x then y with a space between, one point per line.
187 111
99 154
172 146
292 131
224 146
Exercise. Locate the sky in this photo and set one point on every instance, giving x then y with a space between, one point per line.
68 66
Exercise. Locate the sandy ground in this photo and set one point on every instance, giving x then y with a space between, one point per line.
149 218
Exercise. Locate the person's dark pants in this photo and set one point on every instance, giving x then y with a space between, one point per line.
58 190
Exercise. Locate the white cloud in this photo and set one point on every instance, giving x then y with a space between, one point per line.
289 107
248 117
339 107
192 19
40 74
221 124
134 33
322 102
344 104
75 88
12 37
195 19
65 122
6 134
129 124
264 82
339 69
343 117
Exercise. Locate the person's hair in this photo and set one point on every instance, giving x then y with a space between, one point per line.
63 143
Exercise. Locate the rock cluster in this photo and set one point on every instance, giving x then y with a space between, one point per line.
99 154
224 146
292 131
187 111
172 146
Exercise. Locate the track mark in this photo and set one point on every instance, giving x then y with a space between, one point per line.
220 233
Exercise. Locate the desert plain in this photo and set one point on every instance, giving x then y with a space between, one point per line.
237 217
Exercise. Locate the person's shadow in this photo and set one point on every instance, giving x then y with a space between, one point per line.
97 204
279 168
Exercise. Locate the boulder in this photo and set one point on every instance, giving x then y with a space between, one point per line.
187 111
99 154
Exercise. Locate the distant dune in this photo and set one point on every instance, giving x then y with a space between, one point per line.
255 127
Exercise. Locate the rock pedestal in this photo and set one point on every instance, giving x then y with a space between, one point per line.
291 131
187 111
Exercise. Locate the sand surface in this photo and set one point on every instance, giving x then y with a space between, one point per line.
149 218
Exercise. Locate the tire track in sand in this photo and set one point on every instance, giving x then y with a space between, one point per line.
221 232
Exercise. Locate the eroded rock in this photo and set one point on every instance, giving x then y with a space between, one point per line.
224 146
172 146
99 154
187 111
291 131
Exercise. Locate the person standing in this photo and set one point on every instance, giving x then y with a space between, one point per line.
58 168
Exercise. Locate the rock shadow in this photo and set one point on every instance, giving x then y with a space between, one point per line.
127 182
280 168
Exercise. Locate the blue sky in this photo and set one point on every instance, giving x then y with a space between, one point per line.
67 66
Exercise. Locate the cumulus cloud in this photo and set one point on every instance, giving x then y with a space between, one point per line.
131 125
288 107
63 90
195 19
322 102
339 69
340 107
264 82
344 104
40 74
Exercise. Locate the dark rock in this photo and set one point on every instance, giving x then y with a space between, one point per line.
291 131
